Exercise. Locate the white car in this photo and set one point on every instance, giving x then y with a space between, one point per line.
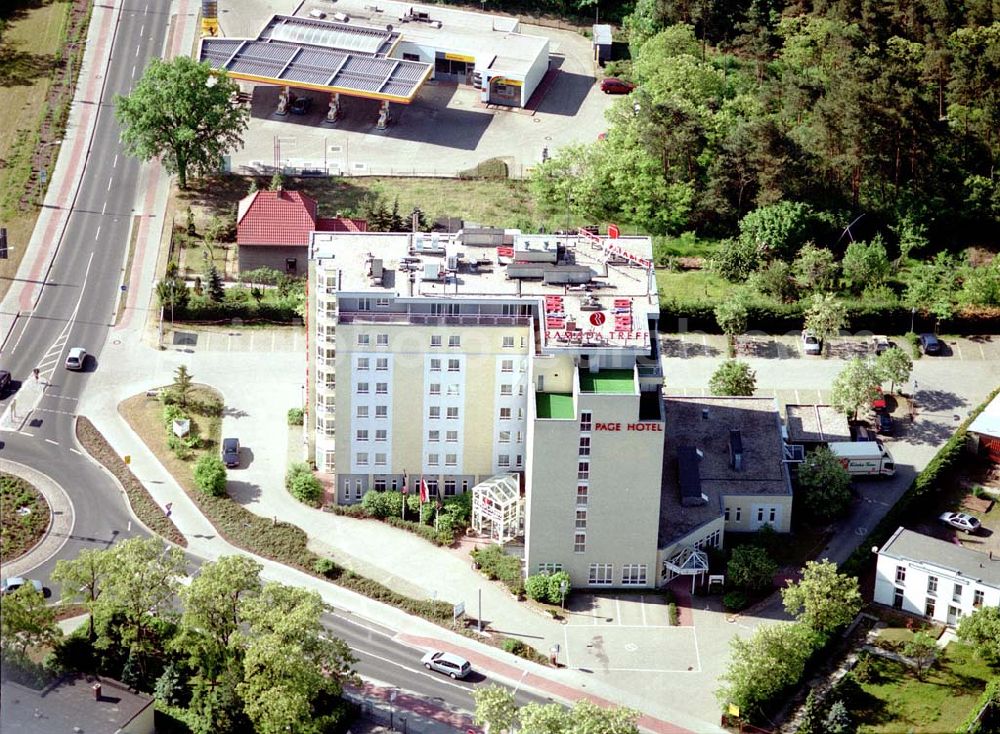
961 521
447 663
76 358
12 584
811 344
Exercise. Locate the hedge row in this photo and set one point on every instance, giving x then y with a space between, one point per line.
143 505
991 717
228 310
778 318
925 482
278 541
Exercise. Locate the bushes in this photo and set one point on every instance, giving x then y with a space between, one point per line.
537 587
498 566
513 646
210 475
673 615
452 517
303 485
296 416
546 587
735 601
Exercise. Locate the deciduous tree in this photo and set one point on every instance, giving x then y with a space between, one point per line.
184 113
824 599
824 485
733 377
751 568
865 264
26 621
982 630
81 580
854 386
922 650
210 475
825 316
894 365
495 708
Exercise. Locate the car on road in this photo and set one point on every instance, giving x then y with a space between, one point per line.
930 344
300 105
447 663
231 452
881 344
12 584
811 344
960 521
613 85
4 382
884 423
76 358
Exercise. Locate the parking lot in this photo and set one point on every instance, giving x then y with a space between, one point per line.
627 634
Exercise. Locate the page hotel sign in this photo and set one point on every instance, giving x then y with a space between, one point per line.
637 427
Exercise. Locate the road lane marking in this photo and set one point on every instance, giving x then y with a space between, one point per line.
54 443
78 453
25 433
98 233
115 164
142 30
133 71
104 209
137 49
110 181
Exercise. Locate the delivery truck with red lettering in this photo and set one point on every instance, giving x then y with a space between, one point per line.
864 458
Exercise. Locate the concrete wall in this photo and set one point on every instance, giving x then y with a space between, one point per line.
915 589
273 256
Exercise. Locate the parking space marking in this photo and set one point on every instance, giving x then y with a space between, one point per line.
981 352
697 653
959 350
566 645
618 611
642 607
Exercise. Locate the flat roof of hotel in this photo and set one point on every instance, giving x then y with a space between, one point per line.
816 423
611 308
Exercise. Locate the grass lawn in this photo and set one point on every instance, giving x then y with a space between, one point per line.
499 203
145 416
898 702
24 515
691 285
27 59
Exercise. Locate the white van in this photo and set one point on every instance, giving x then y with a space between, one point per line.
864 458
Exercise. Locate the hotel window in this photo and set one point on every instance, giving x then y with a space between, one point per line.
449 487
520 391
382 302
524 342
432 459
978 596
362 435
357 490
362 459
956 595
581 519
362 388
380 484
932 583
451 437
381 340
739 512
435 388
381 388
451 459
760 514
435 365
772 514
601 574
583 470
435 341
454 365
434 412
453 390
518 437
503 460
465 485
454 341
381 411
362 411
434 436
364 304
507 365
518 461
381 434
432 487
382 364
584 445
452 414
508 342
634 574
505 414
582 492
586 418
520 413
579 542
362 363
929 606
364 339
504 436
379 459
900 574
549 568
506 389
726 515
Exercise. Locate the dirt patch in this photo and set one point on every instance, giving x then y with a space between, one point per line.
24 514
143 505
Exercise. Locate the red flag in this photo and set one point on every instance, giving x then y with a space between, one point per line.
613 231
423 491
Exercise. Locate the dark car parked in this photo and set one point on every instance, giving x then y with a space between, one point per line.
231 452
884 423
929 344
4 382
612 85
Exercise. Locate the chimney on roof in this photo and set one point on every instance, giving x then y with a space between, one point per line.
97 691
736 449
704 414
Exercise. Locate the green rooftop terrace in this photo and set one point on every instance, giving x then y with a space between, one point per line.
554 405
607 381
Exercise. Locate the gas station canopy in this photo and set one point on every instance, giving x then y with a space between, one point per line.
320 55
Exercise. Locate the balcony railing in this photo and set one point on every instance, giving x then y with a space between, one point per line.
373 317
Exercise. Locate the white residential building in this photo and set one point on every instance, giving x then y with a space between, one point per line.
939 580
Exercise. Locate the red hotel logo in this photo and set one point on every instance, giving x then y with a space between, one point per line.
614 427
597 318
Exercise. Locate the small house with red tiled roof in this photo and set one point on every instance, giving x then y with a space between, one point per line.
273 230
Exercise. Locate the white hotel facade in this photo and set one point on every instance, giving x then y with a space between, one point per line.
493 358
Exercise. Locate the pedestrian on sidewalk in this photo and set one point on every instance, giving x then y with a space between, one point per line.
169 507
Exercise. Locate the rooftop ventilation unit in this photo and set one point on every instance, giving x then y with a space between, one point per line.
432 271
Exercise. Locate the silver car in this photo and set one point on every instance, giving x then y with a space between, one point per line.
960 521
12 584
76 358
447 663
811 344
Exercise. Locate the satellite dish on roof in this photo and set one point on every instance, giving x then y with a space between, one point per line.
388 27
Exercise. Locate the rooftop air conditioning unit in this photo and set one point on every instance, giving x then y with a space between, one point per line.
432 271
342 17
